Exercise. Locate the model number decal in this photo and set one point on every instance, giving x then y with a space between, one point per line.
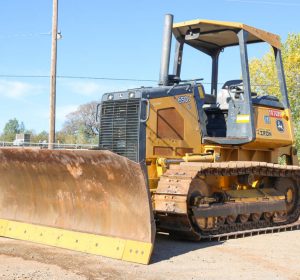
264 132
183 99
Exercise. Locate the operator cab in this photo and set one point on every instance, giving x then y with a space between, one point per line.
228 116
217 112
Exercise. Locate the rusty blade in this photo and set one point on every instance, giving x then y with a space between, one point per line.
96 192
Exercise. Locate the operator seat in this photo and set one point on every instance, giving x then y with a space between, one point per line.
226 101
224 97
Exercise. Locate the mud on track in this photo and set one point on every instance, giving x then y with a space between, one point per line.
272 256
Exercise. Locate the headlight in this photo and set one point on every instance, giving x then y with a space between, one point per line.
131 95
110 97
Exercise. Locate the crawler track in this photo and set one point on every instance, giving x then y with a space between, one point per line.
253 232
175 216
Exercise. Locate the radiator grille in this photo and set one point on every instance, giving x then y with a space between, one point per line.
119 127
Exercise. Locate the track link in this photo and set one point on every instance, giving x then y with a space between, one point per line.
175 216
253 232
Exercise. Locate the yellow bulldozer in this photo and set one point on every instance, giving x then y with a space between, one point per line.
171 159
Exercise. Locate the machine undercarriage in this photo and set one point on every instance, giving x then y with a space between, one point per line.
185 206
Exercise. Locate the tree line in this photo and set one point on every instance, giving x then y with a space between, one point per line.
80 127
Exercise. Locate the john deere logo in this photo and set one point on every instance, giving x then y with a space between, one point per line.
280 126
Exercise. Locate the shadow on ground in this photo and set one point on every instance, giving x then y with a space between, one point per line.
167 247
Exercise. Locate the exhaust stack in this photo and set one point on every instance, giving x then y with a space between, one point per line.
166 51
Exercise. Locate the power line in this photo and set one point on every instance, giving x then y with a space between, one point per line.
106 78
24 35
112 79
78 78
281 3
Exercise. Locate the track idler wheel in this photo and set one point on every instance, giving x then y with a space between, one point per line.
288 188
197 191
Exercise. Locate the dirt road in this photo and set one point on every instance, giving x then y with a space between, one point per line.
272 256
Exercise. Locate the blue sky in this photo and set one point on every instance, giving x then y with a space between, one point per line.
114 39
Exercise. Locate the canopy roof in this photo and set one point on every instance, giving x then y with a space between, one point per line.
219 34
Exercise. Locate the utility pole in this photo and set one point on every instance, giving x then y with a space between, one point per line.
51 140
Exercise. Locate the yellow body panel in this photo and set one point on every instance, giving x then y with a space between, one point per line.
165 147
274 138
273 128
192 134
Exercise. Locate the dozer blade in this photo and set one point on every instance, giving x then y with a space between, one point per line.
90 201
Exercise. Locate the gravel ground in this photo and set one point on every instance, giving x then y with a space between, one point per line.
272 256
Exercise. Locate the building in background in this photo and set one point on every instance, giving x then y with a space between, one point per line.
22 139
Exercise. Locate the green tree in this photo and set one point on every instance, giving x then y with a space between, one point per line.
264 76
81 126
11 128
39 137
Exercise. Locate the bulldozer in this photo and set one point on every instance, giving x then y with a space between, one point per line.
172 159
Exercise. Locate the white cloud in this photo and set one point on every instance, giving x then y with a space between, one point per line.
17 89
39 118
95 90
62 111
86 88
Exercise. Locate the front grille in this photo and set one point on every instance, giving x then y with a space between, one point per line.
119 127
